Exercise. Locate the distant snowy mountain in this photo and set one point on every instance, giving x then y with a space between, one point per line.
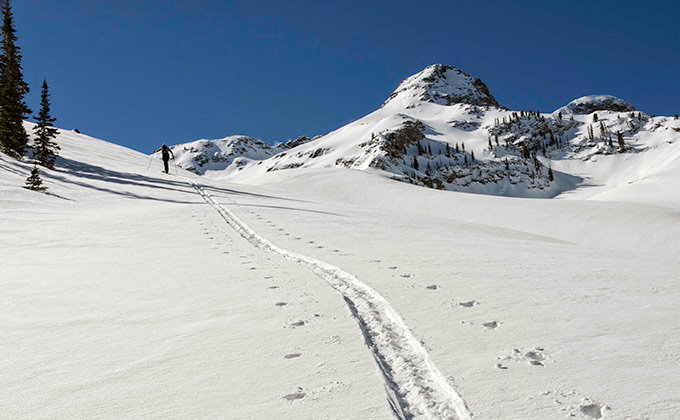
201 156
442 128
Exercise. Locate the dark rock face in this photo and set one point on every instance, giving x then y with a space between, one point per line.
395 141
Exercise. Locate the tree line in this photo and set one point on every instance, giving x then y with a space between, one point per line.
13 108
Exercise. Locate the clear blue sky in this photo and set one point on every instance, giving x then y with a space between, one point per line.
140 73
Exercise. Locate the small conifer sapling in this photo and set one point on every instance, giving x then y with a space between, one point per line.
34 182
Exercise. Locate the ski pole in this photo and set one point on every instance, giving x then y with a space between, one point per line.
150 160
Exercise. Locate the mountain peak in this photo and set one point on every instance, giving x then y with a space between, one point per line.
444 85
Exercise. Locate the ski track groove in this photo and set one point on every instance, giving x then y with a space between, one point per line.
415 388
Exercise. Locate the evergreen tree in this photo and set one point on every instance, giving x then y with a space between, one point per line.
448 150
472 155
550 174
619 138
46 149
594 117
429 149
457 150
34 182
415 163
13 109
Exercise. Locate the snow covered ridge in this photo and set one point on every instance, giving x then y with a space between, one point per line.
444 85
201 156
592 103
443 129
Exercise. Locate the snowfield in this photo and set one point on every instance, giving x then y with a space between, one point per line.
302 281
327 293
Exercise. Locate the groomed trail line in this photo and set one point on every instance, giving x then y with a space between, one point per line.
415 388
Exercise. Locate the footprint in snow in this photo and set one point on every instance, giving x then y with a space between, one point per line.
468 304
406 276
273 287
295 396
432 287
281 304
491 325
394 267
534 357
292 355
592 410
297 324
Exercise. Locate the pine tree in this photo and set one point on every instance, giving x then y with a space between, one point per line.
46 149
34 182
622 144
472 155
13 109
550 174
448 150
415 163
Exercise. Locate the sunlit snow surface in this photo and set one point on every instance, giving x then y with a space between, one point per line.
127 294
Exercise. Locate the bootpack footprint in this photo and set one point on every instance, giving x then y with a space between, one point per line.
468 303
574 402
534 357
292 355
298 395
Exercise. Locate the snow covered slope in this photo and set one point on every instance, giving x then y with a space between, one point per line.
326 293
442 128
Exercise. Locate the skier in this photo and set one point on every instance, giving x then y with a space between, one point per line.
166 155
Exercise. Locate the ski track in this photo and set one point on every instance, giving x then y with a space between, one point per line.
415 388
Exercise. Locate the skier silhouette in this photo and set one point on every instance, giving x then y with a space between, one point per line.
166 155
